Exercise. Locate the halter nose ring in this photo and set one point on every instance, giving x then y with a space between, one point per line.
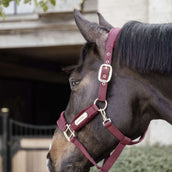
105 105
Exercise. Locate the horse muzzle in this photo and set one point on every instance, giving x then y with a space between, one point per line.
70 167
65 166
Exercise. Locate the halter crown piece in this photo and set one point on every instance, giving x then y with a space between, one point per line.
83 117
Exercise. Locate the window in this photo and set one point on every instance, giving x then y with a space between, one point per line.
13 9
61 6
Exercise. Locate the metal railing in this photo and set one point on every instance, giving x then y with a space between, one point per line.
11 133
19 129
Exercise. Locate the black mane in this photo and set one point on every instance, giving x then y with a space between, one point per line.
145 47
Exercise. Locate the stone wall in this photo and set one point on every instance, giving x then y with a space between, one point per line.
160 11
118 12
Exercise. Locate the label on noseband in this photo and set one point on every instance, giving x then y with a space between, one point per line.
81 118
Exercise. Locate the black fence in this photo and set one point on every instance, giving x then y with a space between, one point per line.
11 132
1 141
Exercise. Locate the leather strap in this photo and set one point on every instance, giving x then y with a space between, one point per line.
84 151
61 122
84 117
123 142
123 139
105 70
113 157
80 120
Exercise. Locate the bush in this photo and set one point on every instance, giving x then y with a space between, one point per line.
143 159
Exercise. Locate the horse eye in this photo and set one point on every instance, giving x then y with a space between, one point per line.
74 83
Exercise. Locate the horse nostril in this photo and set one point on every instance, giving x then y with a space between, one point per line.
69 167
48 155
49 163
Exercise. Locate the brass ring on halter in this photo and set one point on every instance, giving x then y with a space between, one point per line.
105 106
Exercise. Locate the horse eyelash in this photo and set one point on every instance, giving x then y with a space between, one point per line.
69 69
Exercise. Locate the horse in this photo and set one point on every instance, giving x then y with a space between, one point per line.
139 91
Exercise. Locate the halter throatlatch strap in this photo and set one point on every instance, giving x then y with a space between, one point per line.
83 117
105 71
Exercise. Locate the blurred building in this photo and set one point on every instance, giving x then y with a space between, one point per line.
34 47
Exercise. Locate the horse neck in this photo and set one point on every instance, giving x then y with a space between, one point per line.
161 86
163 83
154 89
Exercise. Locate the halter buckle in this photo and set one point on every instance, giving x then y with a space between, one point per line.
105 118
68 133
105 77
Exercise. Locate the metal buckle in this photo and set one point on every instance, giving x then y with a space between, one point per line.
100 72
105 105
105 118
68 133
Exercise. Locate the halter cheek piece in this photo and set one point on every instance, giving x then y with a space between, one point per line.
81 119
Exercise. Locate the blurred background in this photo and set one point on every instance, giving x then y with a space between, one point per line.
34 47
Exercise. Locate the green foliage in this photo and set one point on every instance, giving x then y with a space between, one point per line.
144 159
26 1
53 2
2 14
18 2
5 3
42 3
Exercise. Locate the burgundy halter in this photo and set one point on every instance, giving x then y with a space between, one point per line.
81 119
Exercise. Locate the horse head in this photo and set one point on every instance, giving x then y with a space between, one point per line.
133 101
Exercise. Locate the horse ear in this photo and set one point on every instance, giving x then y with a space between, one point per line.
103 22
92 32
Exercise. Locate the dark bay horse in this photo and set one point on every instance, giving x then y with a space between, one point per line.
140 89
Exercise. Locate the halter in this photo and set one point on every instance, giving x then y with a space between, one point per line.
83 117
